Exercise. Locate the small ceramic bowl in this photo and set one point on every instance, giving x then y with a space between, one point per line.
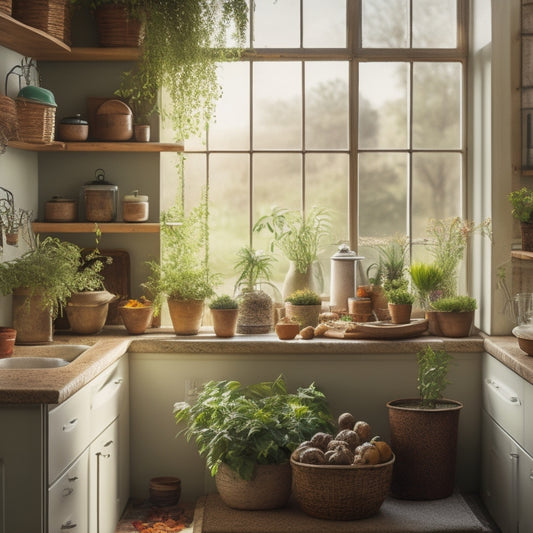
287 330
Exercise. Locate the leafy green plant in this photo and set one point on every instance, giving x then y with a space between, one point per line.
391 261
223 302
255 268
522 204
400 296
432 375
427 280
247 425
132 91
455 304
296 234
304 297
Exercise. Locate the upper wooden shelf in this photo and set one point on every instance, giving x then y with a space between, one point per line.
97 146
88 227
38 44
520 254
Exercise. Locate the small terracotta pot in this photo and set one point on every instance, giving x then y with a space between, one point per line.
136 319
286 331
225 321
400 313
7 341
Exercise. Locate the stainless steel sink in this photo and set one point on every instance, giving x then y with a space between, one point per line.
46 356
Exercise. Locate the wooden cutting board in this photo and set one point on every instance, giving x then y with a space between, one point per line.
381 330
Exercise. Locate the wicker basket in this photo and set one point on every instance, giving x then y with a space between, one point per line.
8 118
341 492
5 6
50 16
116 28
36 121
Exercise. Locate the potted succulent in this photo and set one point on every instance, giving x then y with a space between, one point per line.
247 434
255 305
298 236
400 303
303 306
224 311
423 433
522 210
455 315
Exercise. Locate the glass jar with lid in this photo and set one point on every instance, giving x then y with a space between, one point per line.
135 207
99 198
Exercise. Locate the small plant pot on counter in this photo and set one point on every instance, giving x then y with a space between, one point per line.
225 322
87 311
136 319
7 341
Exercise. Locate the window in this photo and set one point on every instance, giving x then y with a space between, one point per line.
353 105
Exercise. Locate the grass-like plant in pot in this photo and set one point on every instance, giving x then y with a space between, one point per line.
224 312
424 433
299 237
455 315
427 280
303 306
247 432
522 210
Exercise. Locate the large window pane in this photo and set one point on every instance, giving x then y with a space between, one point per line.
277 101
383 181
385 23
276 24
383 105
326 105
230 129
435 24
437 105
324 24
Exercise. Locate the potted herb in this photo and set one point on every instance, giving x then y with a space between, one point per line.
303 306
183 277
424 433
427 280
455 315
400 303
11 218
247 434
224 311
522 210
255 305
298 236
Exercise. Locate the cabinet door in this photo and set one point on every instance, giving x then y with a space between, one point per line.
103 467
499 481
525 489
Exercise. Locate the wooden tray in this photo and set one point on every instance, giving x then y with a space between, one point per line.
380 330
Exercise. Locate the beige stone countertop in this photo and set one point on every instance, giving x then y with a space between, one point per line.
54 385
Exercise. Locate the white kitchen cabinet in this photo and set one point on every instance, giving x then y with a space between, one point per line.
507 467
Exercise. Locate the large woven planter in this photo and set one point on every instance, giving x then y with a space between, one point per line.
116 28
255 313
186 315
269 488
425 443
50 16
305 315
338 492
36 121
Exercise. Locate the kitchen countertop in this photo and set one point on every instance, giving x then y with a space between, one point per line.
54 385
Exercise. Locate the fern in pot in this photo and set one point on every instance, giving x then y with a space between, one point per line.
247 434
424 433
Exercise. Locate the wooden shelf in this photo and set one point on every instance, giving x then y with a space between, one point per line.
89 227
520 254
90 146
91 54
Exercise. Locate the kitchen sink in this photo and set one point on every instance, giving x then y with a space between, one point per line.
47 356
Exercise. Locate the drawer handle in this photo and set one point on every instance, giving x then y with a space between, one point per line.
67 492
503 392
69 525
73 478
69 426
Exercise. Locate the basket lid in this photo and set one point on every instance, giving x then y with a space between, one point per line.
37 94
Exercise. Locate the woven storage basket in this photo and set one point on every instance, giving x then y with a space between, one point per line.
36 121
8 118
5 6
117 28
50 16
336 492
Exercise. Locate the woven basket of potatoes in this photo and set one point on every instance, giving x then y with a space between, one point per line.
346 476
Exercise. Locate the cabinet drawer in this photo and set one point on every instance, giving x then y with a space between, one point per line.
68 497
68 432
528 421
107 393
503 397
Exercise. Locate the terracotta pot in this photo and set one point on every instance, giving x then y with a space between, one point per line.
225 321
186 315
7 341
136 319
269 488
286 331
305 315
32 321
87 311
433 323
425 444
400 313
455 324
379 302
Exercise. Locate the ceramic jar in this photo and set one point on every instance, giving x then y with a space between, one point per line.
135 207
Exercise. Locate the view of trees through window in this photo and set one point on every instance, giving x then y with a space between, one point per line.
352 105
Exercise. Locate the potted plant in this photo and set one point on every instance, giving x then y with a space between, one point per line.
400 303
42 280
183 277
298 236
224 311
137 315
255 305
522 210
303 306
427 280
11 218
247 434
423 433
455 315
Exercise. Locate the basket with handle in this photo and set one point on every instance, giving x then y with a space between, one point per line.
341 492
8 118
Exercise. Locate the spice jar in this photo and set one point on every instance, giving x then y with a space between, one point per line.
135 207
100 199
